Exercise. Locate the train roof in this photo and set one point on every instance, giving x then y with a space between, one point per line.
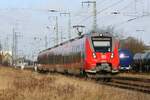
79 37
65 42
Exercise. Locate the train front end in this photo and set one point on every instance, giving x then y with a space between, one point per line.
101 54
126 59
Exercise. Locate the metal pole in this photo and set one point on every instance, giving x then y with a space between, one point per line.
56 26
148 6
135 7
46 43
94 13
6 44
94 16
57 38
61 32
69 24
14 47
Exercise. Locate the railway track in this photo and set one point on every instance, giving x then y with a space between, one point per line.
135 84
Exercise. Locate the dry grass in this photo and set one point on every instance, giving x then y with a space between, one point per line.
26 85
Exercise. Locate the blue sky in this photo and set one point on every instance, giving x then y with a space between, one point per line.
30 18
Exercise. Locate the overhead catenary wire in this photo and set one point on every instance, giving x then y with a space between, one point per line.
104 9
79 12
129 20
114 4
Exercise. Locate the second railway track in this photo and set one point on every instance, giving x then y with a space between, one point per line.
135 84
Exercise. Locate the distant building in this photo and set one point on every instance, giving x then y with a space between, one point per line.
6 58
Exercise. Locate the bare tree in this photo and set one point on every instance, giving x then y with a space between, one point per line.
133 44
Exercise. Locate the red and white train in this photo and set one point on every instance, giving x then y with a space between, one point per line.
93 53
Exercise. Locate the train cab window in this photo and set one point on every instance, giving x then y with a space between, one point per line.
102 44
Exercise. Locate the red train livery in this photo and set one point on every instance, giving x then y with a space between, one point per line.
93 53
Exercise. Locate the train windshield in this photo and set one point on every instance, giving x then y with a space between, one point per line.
102 44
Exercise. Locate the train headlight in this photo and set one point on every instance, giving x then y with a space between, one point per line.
121 55
101 35
94 55
112 55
